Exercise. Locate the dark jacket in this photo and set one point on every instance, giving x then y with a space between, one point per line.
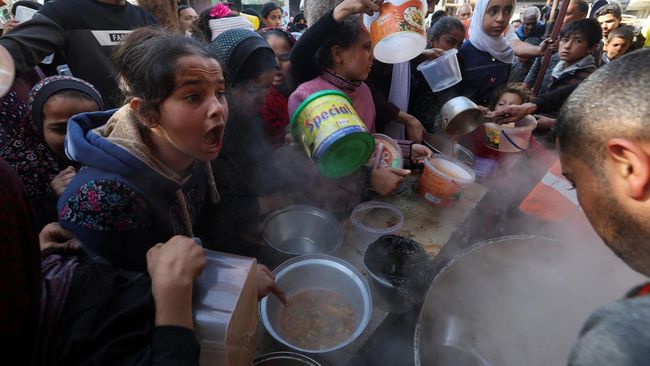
124 201
482 74
85 30
565 80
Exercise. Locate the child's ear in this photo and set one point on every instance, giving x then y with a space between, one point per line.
144 118
337 54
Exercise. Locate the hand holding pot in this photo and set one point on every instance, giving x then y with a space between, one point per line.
266 284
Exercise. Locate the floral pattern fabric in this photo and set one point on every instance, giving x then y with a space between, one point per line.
105 205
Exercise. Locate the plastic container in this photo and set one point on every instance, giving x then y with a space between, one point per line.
443 72
332 132
224 307
373 219
510 139
387 154
443 179
398 30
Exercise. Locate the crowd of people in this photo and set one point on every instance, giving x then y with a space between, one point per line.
164 138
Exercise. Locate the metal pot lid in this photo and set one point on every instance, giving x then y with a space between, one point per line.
521 299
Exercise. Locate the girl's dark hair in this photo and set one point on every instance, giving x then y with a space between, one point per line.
512 89
588 28
345 36
445 25
145 62
278 32
267 8
181 8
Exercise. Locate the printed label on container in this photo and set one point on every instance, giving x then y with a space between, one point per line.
408 17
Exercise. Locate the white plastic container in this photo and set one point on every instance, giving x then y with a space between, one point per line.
225 309
373 219
510 139
443 72
397 30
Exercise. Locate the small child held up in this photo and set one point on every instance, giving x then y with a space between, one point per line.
508 95
618 42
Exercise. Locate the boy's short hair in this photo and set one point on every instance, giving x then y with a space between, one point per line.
621 32
613 9
589 28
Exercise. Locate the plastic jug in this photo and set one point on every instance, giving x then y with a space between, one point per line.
397 30
225 309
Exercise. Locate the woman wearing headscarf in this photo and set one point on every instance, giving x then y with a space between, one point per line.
245 170
33 136
486 57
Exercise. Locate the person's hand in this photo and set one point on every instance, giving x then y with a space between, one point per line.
432 53
62 180
544 123
387 181
54 236
512 113
9 25
414 127
553 45
266 284
542 47
420 153
173 266
351 7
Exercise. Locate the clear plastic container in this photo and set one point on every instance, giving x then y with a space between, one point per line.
373 219
443 72
505 138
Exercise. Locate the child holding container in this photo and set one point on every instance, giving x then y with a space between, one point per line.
342 52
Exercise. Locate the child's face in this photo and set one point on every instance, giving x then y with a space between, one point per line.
608 23
193 117
356 60
616 48
573 47
282 50
56 112
274 19
508 99
496 17
449 40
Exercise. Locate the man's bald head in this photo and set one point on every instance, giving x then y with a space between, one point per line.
610 103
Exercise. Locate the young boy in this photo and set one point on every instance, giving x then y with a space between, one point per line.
578 41
618 42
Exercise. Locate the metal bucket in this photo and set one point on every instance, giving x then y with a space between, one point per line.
521 300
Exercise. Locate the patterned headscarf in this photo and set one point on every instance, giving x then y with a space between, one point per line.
49 86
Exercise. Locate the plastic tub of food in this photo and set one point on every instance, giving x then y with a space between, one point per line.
510 138
443 180
387 154
373 219
443 72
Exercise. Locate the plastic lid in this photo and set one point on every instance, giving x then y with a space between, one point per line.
310 99
346 155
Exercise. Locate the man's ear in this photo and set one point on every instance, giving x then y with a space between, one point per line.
632 164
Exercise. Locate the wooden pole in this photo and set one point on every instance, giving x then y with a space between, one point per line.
554 34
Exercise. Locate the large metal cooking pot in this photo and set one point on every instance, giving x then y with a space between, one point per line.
460 116
517 300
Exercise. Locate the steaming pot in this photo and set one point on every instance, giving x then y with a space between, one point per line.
518 300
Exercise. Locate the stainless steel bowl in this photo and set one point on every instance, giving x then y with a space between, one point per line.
284 359
460 116
311 272
298 230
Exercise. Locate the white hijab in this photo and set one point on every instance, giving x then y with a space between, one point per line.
498 47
